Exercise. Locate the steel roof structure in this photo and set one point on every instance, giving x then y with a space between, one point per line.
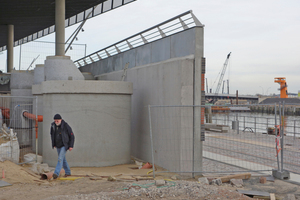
33 19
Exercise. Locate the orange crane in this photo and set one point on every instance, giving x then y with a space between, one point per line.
283 86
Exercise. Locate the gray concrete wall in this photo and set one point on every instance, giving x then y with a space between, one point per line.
164 72
178 45
164 83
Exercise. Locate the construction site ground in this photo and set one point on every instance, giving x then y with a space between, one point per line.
92 183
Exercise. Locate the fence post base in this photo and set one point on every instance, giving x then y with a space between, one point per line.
281 174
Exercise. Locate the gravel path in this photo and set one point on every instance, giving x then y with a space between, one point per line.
172 190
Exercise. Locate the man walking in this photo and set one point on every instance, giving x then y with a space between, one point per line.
62 138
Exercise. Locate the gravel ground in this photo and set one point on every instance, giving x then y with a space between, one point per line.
172 190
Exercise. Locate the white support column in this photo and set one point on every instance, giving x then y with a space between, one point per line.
10 48
60 27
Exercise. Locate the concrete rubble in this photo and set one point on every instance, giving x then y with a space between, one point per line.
203 180
237 182
160 182
289 197
216 182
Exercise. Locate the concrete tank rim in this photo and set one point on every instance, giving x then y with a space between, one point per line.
58 57
83 87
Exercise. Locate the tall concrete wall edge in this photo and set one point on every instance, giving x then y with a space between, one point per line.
198 144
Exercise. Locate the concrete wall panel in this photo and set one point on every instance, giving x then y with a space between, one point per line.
143 55
117 62
21 79
161 50
129 56
109 67
178 45
183 43
39 75
164 83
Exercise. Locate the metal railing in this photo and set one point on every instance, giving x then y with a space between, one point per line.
174 25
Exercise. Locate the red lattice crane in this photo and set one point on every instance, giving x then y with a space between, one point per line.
283 86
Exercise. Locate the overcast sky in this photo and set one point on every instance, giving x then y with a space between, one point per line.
263 36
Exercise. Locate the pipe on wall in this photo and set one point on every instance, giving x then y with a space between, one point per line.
32 116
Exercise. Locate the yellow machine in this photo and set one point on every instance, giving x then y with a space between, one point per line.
283 87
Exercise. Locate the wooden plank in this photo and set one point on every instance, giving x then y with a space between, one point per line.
254 193
261 197
235 176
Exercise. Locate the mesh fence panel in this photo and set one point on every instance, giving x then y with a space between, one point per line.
247 147
17 133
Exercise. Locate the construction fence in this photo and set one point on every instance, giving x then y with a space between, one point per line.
234 141
18 128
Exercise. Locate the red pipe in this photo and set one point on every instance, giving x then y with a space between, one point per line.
38 119
32 116
5 112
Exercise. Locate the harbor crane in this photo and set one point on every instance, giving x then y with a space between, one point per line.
283 86
222 74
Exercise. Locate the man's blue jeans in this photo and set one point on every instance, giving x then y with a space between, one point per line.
62 162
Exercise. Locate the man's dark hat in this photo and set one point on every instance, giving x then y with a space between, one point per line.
57 116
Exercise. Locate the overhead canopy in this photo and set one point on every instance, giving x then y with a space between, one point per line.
33 19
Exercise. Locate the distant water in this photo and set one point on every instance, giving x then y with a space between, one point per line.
258 122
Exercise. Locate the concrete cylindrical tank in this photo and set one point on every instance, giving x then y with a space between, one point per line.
99 112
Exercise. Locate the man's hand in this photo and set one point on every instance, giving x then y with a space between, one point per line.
70 149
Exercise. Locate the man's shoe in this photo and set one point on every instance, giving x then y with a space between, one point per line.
54 176
66 175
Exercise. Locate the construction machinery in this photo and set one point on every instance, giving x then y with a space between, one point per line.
283 86
222 74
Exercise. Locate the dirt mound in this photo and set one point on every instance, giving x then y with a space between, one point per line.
16 174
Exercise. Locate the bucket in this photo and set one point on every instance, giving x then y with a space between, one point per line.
147 166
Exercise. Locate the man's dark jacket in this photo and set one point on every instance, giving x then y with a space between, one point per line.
68 137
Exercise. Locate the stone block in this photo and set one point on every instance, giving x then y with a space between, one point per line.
237 182
216 182
203 180
160 182
38 168
281 174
